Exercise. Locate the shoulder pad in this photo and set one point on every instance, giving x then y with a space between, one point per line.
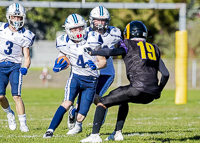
28 37
3 25
114 31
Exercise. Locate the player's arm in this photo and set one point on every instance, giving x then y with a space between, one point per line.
27 58
112 52
102 62
27 61
109 52
164 75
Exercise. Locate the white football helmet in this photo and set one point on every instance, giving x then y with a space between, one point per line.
73 21
99 13
16 9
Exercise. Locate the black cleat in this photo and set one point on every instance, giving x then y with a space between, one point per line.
48 134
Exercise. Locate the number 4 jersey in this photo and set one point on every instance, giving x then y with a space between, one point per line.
142 63
11 43
76 54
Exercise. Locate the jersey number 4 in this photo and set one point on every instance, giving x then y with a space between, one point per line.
8 51
147 51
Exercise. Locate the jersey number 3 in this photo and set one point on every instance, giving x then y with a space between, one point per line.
147 51
8 51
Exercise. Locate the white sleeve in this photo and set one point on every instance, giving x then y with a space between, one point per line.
28 39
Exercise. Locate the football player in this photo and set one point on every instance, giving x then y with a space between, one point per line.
99 21
14 40
84 70
142 60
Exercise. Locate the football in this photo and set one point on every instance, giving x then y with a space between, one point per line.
65 59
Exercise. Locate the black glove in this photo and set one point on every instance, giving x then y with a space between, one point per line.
87 50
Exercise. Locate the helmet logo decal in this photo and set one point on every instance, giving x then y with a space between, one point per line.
17 12
75 18
101 10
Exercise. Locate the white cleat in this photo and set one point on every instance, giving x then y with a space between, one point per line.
75 130
116 136
71 119
24 128
11 120
93 138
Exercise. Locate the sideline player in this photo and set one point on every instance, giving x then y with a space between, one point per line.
99 21
84 69
14 40
142 60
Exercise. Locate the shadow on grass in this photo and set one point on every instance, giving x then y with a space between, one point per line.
159 139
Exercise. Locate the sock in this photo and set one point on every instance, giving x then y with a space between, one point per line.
98 119
22 119
73 112
78 123
122 114
7 110
57 118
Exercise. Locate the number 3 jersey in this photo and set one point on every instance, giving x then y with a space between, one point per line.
142 65
76 54
11 43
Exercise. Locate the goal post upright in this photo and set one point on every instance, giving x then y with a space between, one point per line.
180 36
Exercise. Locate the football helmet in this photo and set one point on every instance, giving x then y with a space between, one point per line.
135 30
16 9
74 21
99 13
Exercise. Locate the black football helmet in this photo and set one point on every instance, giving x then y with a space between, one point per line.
135 29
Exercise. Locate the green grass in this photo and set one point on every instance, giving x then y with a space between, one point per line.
157 122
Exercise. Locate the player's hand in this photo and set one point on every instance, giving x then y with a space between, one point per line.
122 44
23 71
88 50
59 66
91 65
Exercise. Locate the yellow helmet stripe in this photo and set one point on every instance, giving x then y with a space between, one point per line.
128 31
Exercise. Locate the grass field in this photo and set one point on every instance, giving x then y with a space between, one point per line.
160 121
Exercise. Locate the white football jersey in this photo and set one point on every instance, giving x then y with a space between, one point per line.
111 37
11 43
77 56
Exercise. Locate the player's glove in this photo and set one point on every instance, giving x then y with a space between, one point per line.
59 66
91 65
122 44
23 71
87 50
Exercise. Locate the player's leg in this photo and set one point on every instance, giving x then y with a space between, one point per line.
15 79
73 114
4 79
122 114
115 97
86 100
71 89
134 96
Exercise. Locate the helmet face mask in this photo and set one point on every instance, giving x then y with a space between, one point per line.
16 15
75 27
99 13
135 30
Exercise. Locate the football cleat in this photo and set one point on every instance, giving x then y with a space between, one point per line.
48 134
11 120
116 135
93 138
24 128
71 118
77 129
